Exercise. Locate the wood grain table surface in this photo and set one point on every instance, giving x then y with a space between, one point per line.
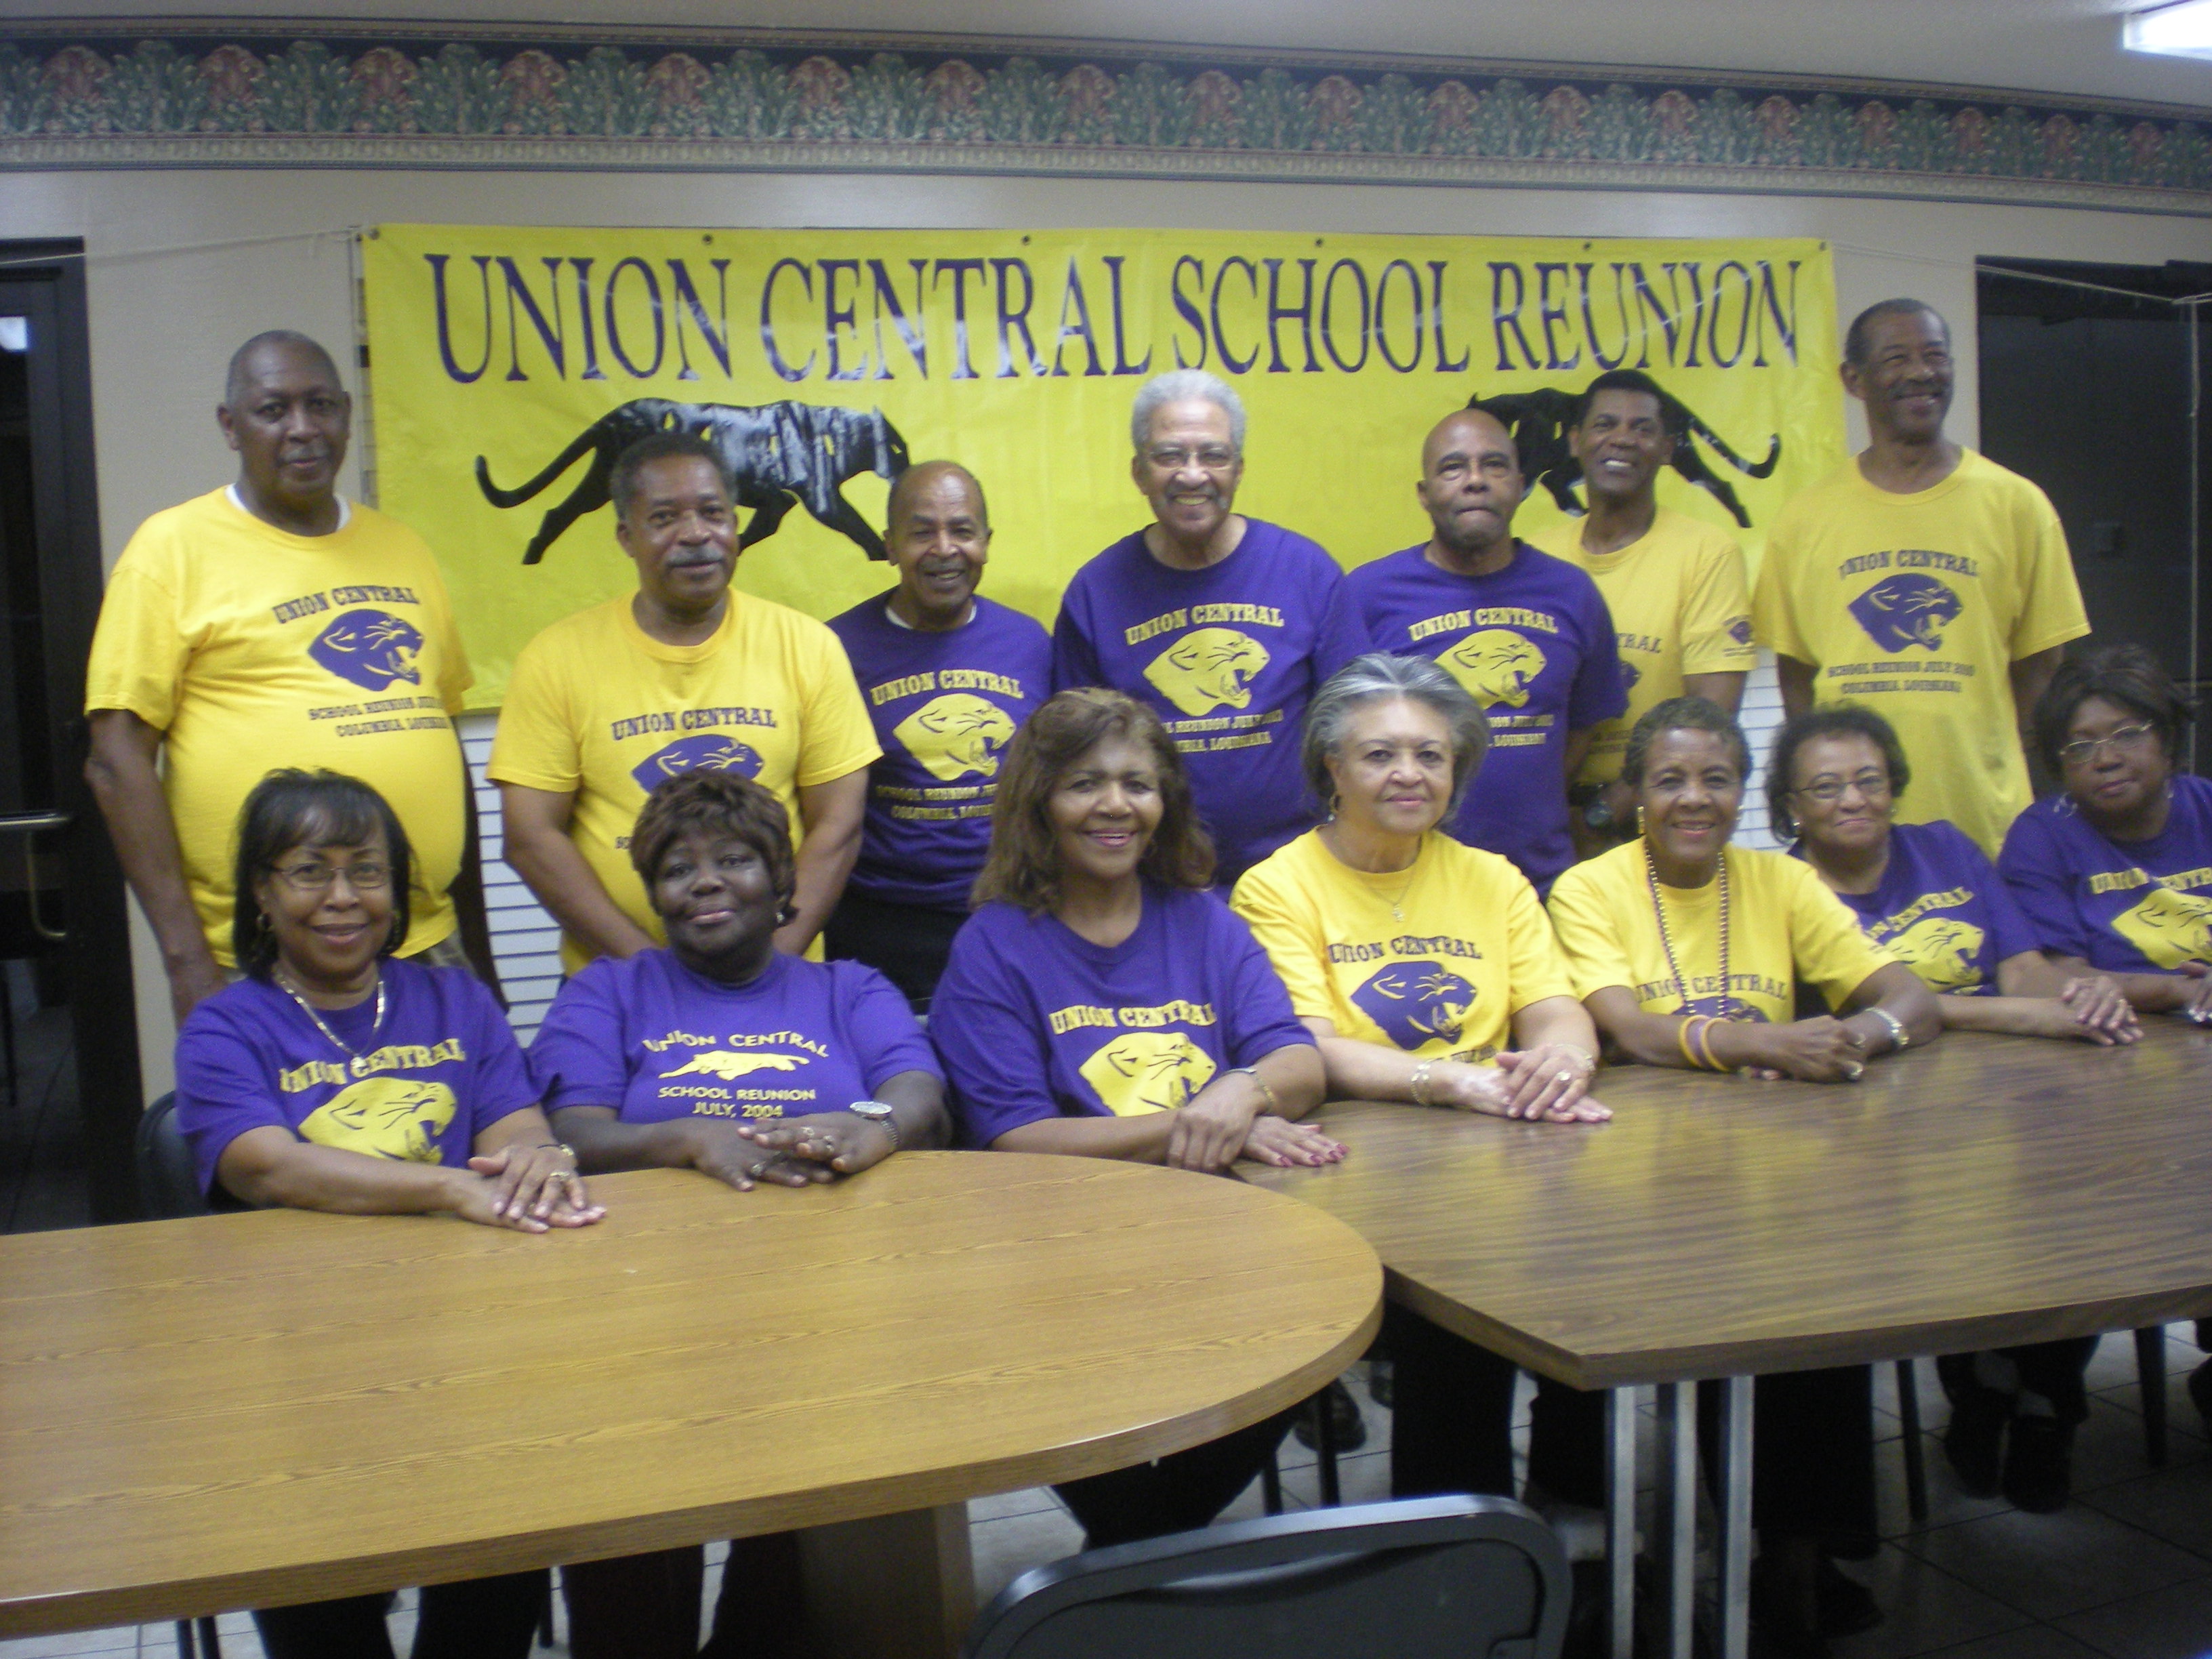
254 1409
1983 1190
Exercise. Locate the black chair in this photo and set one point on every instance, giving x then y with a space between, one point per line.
1471 1577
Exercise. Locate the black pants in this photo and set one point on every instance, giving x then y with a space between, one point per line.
480 1619
1179 1492
907 943
2055 1370
646 1606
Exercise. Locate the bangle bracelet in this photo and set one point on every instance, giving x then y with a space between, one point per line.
1418 1084
1705 1044
1588 1059
1900 1038
1682 1033
1274 1103
558 1146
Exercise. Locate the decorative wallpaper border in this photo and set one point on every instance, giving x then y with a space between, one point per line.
264 96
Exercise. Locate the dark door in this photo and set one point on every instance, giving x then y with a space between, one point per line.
72 1104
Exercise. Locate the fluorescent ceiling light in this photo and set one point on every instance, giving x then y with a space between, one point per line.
2181 31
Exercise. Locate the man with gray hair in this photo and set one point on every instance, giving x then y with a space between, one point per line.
1224 625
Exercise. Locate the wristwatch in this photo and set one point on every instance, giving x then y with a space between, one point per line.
877 1112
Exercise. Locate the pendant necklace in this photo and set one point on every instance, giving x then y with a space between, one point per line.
1667 943
308 1008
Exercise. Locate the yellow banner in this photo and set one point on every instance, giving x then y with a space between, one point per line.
509 365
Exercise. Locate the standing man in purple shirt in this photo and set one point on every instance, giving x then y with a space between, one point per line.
947 676
1527 633
1222 625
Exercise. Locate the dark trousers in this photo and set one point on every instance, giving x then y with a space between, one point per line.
2053 1370
1451 1420
480 1619
907 943
646 1606
1179 1492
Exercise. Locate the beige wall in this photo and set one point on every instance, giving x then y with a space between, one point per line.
178 276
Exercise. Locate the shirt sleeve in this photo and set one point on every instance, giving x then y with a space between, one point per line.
579 1054
884 1034
1539 966
139 651
2042 887
1773 623
1717 615
1343 632
2050 612
1258 1020
536 743
454 675
997 1057
1600 691
1287 925
837 738
1826 947
501 1083
223 1089
1074 660
1589 938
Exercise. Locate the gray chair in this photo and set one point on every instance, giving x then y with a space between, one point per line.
1471 1577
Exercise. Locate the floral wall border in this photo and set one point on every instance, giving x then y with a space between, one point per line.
89 95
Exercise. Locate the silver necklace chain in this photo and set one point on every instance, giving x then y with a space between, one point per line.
308 1008
1659 911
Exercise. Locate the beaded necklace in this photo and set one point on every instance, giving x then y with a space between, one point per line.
1666 941
308 1008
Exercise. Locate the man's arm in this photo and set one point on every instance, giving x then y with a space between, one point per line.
1797 678
2031 677
120 769
830 813
1577 752
1724 688
538 848
467 893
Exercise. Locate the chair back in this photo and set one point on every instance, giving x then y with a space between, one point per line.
1470 1577
169 1184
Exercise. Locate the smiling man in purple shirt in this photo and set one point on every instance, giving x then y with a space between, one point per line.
1224 625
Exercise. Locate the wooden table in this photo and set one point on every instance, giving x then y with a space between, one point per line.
252 1410
1981 1192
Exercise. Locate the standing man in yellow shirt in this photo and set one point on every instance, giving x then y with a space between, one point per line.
682 674
275 622
1681 608
1923 580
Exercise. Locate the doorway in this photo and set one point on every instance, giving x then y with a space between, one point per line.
70 1096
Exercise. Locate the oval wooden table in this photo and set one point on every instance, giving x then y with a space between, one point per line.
252 1410
1980 1192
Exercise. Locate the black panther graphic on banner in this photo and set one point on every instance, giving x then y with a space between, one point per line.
779 455
1539 423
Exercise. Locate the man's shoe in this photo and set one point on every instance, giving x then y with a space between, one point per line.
1779 1614
1382 1373
1847 1607
2038 1465
1975 1439
1351 1428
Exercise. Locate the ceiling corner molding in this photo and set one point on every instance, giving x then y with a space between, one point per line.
163 94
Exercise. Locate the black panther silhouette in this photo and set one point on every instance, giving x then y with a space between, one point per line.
1539 421
779 454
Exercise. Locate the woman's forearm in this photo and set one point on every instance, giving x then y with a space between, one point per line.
2007 1016
1367 1070
917 1101
1298 1076
299 1175
1133 1140
604 1143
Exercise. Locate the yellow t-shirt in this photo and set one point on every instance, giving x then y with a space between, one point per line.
1784 926
251 648
1917 606
1473 951
1680 606
598 708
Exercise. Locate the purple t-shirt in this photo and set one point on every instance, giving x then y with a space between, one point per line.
650 1037
1033 1022
442 1068
1534 644
1942 909
944 705
2096 899
1229 656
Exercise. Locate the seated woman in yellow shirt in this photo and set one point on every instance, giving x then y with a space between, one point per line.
1426 972
1688 952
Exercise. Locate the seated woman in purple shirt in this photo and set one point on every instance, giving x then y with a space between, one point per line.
722 1055
1103 1002
334 1076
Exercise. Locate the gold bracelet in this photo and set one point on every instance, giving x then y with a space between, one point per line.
1418 1084
1682 1037
1274 1102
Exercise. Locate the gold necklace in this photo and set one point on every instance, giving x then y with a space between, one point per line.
308 1008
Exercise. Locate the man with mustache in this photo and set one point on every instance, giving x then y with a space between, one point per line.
271 621
948 676
1222 624
685 672
1923 580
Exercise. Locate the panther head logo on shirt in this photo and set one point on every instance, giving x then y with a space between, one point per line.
384 1117
1206 669
1723 1008
707 751
1901 611
1414 1003
956 734
1739 629
1142 1072
372 648
2168 928
1496 665
1630 673
1942 951
721 1063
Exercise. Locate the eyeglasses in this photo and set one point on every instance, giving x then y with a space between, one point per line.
317 878
1212 459
2127 740
1874 786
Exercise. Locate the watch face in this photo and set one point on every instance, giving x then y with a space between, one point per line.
870 1109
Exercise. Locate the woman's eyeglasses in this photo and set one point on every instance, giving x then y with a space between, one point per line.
2126 740
317 878
1874 786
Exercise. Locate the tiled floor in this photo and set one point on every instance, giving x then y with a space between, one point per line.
2124 1571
